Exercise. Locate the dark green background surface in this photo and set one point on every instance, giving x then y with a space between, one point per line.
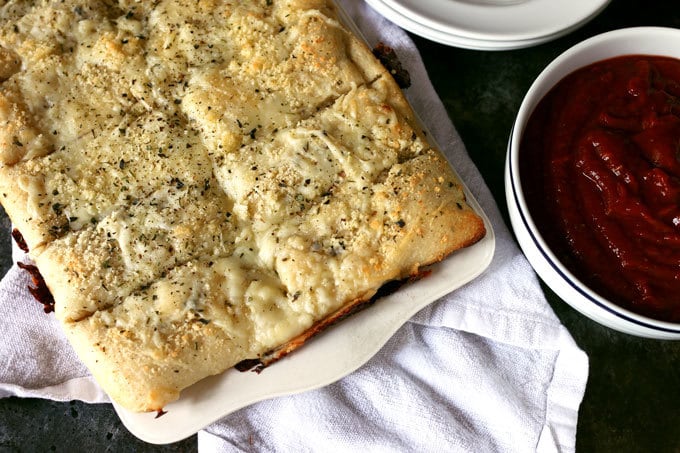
632 400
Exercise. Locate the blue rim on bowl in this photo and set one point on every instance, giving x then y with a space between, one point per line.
638 40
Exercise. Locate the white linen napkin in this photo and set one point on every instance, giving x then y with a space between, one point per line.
487 368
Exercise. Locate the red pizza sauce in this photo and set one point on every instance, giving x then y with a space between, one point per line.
600 167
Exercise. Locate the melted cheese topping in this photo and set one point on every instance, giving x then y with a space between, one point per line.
201 181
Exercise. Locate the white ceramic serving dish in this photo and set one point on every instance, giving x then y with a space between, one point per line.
639 40
322 360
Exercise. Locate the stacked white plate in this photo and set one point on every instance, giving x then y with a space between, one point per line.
489 24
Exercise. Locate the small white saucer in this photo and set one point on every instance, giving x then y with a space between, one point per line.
481 25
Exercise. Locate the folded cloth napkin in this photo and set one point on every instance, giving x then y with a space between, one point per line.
486 368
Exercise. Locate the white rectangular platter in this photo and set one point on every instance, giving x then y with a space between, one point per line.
325 359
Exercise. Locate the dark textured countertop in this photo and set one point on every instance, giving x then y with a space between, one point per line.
633 394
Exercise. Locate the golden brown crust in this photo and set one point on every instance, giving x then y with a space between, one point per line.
203 182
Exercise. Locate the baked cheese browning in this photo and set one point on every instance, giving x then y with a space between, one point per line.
282 74
349 247
98 266
204 182
114 69
192 323
80 184
234 308
67 50
353 142
425 215
311 194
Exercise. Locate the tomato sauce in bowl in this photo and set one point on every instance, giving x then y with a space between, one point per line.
600 170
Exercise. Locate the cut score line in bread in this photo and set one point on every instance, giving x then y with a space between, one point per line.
203 183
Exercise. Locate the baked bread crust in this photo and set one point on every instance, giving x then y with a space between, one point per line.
200 183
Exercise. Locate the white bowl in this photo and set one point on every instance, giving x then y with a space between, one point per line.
639 40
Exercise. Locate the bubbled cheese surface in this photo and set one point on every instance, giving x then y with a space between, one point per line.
199 182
